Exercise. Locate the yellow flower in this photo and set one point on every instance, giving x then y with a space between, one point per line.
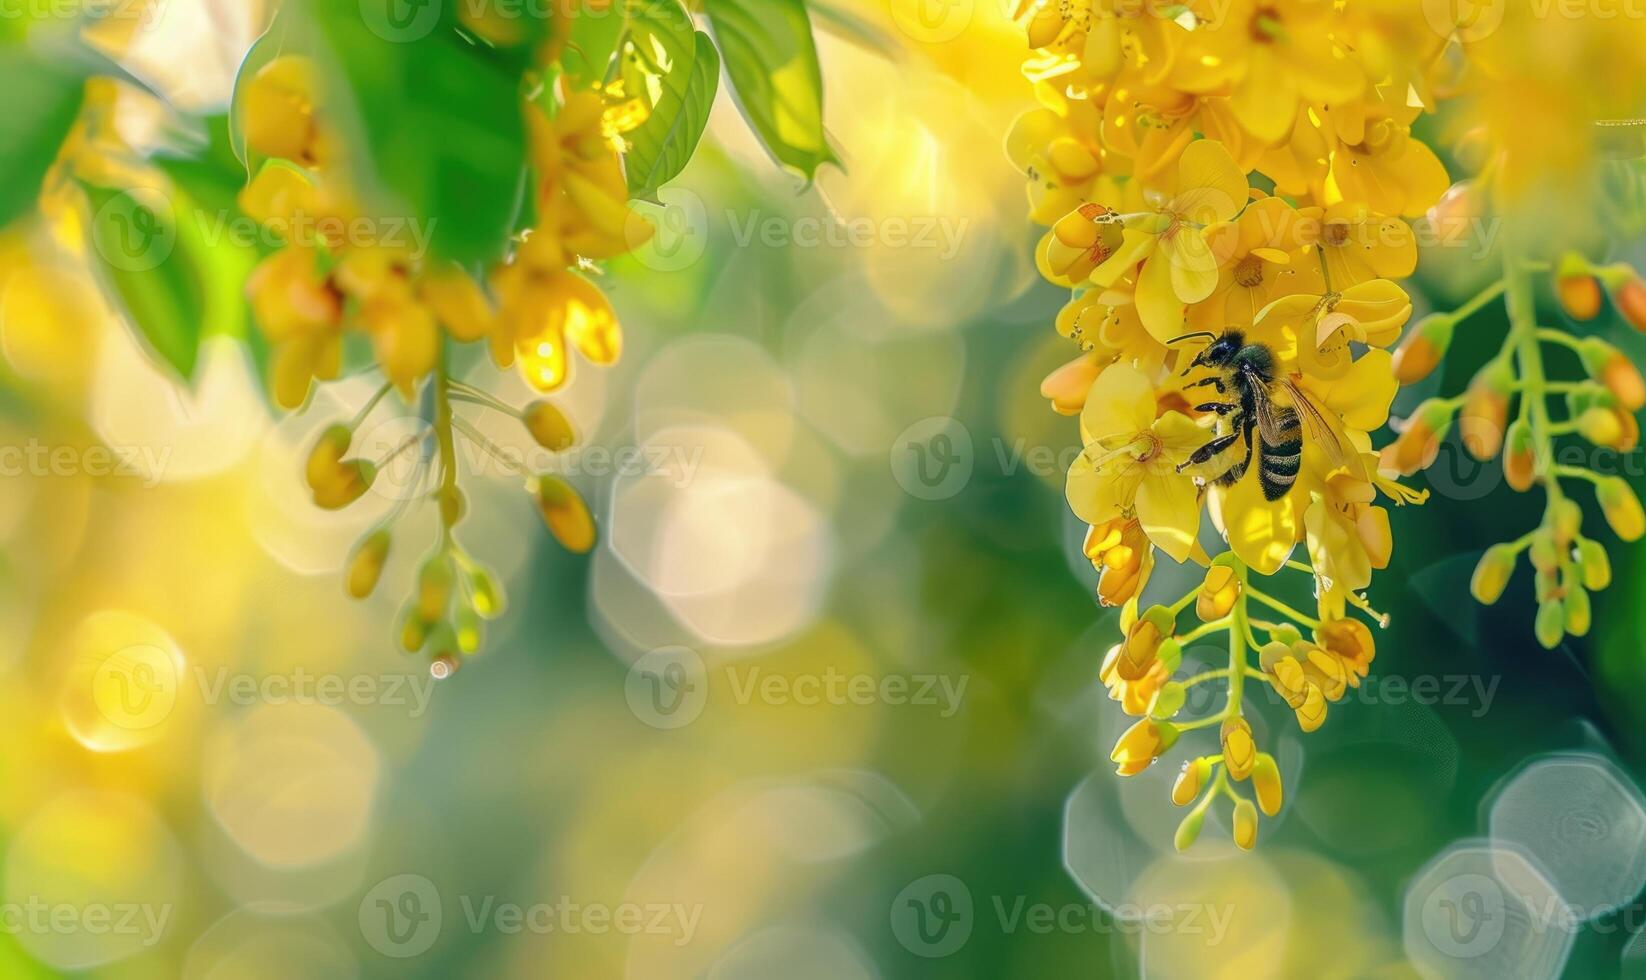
1121 552
1358 245
1273 55
1258 261
1060 153
1239 750
541 310
1168 237
1218 592
1137 694
1324 325
1130 462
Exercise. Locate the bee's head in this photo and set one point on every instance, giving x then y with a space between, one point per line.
1218 353
1222 350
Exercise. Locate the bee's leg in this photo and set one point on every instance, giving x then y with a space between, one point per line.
1209 450
1214 381
1221 408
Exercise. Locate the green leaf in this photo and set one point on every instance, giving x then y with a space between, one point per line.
229 245
771 60
39 103
660 147
432 125
593 43
148 259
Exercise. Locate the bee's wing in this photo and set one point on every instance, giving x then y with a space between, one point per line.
1325 431
1269 421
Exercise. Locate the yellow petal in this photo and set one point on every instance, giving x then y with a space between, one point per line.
1210 186
1194 268
1156 298
1168 508
1121 403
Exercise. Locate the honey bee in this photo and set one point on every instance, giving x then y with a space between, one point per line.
1249 372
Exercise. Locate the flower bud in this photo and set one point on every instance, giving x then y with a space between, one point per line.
325 462
1239 750
366 564
413 631
1551 623
1576 604
1599 426
1285 633
487 596
1579 295
1068 386
1245 825
434 588
1141 744
1597 567
1218 592
565 514
469 630
1544 554
1630 299
1079 242
1519 457
1423 347
1612 368
1266 783
1189 829
1565 519
1167 701
1492 574
1485 414
548 426
1191 779
1419 442
1621 507
356 478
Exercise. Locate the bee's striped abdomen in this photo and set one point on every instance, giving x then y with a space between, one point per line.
1279 462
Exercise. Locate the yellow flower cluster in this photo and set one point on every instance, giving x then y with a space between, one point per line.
1225 188
539 306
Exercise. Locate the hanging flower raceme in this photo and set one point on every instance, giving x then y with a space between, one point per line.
1234 357
308 295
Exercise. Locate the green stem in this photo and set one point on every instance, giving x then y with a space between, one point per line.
1237 646
1204 629
1481 299
1204 676
1283 608
1521 306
